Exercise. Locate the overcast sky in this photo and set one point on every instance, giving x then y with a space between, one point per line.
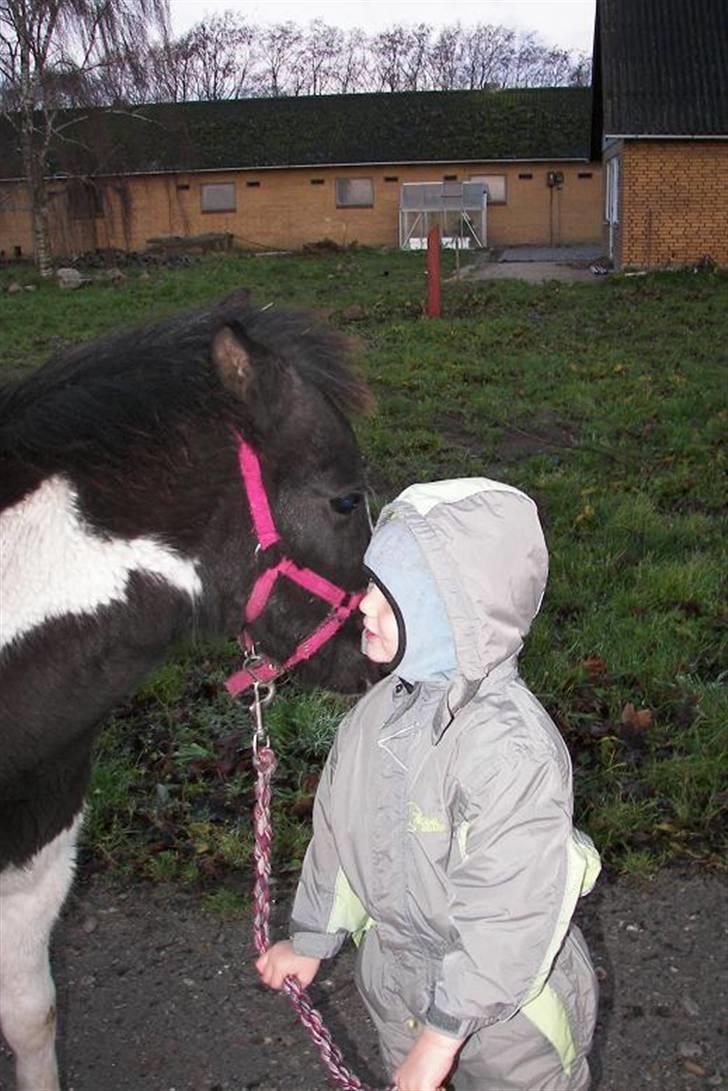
565 23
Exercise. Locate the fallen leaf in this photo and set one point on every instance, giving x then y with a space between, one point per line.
594 666
637 718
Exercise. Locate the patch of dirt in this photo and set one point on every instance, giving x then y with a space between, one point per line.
450 427
545 434
155 994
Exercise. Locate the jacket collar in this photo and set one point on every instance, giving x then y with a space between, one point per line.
462 690
450 696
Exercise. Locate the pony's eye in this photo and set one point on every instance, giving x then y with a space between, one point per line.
344 505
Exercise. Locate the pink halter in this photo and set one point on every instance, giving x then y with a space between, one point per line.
342 603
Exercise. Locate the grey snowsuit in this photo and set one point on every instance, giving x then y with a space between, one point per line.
443 838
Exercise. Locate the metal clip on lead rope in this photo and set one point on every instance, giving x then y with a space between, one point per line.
263 694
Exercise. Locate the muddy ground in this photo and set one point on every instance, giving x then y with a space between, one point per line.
156 994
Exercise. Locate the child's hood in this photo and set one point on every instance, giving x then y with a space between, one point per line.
485 551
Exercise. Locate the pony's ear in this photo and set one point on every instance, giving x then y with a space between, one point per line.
233 362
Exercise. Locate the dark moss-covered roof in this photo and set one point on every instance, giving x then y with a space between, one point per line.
661 67
432 126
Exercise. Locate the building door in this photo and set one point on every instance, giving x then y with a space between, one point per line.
611 209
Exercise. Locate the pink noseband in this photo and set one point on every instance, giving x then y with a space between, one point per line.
342 603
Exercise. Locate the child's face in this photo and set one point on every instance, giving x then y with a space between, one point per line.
381 635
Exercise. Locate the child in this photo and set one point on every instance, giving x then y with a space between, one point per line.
443 836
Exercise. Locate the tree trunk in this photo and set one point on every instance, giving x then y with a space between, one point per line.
41 235
38 205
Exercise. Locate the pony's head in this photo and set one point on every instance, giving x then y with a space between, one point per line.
296 389
144 426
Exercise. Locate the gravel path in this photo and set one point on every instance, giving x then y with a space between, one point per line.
157 995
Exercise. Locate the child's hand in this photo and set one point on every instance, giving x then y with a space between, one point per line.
428 1063
281 961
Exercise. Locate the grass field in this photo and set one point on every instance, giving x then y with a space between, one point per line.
607 403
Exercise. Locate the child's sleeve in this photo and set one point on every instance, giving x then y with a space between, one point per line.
519 874
325 910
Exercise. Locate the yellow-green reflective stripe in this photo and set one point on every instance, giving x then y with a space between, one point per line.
347 913
419 822
582 868
583 847
548 1015
461 833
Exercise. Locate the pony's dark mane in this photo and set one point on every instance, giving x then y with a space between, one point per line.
134 382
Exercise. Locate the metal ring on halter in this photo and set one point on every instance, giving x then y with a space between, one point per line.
252 656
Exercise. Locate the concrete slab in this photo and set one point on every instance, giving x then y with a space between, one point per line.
562 255
534 272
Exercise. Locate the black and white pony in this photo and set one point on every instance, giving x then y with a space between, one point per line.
184 480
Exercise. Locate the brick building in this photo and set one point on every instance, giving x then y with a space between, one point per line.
278 173
661 124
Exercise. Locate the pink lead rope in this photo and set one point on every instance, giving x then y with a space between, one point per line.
331 1056
258 672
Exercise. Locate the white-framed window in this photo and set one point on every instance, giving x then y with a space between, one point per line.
496 186
217 196
354 193
611 191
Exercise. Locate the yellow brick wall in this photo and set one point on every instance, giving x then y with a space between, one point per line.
285 210
674 202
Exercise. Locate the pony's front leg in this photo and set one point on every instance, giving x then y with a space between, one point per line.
30 901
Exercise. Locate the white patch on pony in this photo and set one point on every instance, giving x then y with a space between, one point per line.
30 901
51 564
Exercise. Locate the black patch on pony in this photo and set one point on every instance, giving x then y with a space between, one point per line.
142 426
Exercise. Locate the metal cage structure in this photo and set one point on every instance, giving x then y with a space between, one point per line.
459 209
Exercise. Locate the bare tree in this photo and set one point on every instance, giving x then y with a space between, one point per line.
352 72
445 60
319 58
223 62
170 71
279 46
525 62
399 57
414 61
581 70
45 46
488 56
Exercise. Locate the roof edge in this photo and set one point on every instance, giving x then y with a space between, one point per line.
665 136
311 166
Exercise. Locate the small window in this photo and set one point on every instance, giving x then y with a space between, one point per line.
354 193
183 185
391 178
253 185
496 186
449 177
317 181
584 174
525 177
218 197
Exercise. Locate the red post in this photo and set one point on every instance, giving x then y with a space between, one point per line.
433 273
